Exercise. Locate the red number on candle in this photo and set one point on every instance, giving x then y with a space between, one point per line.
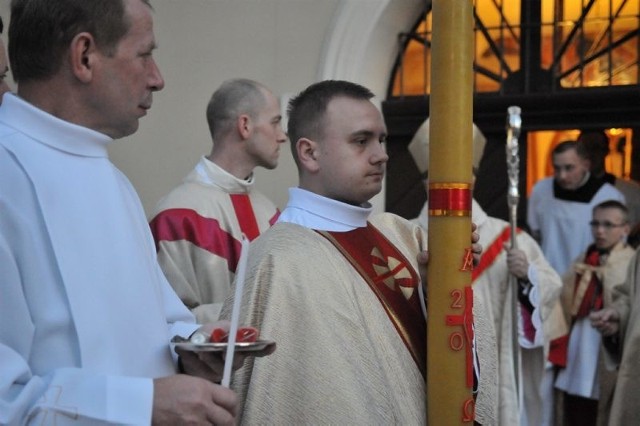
467 260
456 295
456 341
468 410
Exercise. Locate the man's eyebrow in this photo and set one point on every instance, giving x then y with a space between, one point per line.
364 132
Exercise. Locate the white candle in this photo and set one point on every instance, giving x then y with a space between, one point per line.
235 312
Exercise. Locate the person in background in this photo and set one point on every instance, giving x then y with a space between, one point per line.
538 285
620 327
584 379
558 213
87 314
337 287
198 226
559 207
4 66
596 144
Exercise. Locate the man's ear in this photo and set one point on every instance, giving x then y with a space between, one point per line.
307 151
83 56
243 124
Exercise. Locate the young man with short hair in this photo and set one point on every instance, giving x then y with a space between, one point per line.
585 381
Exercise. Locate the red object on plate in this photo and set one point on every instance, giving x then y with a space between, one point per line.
218 336
244 335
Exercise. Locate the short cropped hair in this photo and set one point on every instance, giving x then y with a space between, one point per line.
233 98
568 145
307 110
40 32
614 204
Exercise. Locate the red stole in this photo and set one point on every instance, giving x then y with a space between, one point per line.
584 301
246 217
393 280
592 297
490 254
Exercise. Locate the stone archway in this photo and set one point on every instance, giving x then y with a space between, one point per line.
361 46
361 43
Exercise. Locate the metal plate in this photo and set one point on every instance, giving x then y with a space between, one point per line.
256 346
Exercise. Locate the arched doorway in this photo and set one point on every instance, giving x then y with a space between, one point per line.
570 65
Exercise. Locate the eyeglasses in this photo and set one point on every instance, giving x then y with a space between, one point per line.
606 224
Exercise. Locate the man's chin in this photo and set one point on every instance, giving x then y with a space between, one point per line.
373 193
128 130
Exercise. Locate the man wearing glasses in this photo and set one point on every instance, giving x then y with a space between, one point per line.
584 379
559 208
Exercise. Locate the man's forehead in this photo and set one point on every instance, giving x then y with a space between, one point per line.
610 212
347 108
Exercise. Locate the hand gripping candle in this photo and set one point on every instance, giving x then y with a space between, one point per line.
450 298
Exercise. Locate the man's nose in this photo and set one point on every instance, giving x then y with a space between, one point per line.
380 156
157 82
282 136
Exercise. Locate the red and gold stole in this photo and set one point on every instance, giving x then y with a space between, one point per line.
587 295
587 292
393 280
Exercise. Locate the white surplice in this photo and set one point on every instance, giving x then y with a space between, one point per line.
86 312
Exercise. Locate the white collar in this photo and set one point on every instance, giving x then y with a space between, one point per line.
52 131
325 214
209 173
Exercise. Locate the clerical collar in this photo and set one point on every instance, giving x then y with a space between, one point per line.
209 173
582 194
324 214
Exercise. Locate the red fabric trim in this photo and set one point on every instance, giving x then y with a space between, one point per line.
592 298
529 329
488 257
490 254
466 321
187 224
558 349
275 217
363 247
245 215
450 199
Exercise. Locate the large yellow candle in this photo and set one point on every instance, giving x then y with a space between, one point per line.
450 300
